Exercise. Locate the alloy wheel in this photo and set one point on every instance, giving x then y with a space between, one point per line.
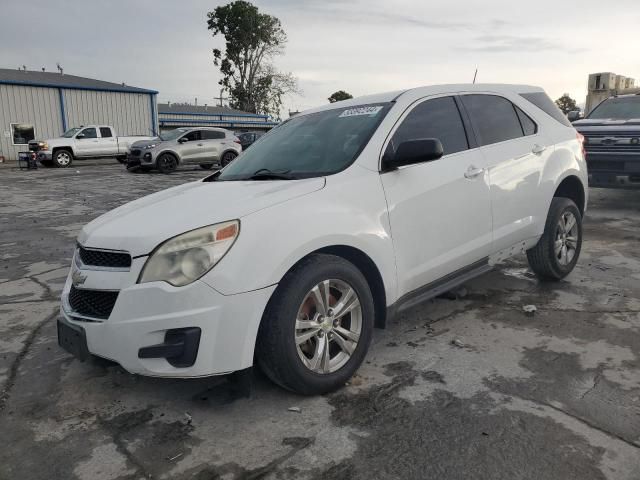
63 159
566 239
328 326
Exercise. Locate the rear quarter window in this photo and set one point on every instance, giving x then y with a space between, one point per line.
544 103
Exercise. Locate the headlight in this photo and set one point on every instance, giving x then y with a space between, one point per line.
149 147
43 146
187 257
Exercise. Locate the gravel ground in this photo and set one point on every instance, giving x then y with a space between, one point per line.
555 395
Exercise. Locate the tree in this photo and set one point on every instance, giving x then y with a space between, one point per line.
566 104
339 95
252 40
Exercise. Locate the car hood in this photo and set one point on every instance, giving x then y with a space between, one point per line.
139 226
144 143
58 142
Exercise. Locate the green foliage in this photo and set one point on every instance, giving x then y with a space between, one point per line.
566 104
252 40
339 96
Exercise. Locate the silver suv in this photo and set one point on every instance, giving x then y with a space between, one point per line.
204 146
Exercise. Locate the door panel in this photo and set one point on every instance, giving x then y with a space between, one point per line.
440 211
108 142
192 150
440 220
515 173
515 153
89 145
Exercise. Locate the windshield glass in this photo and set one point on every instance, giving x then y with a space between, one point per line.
621 108
310 145
70 133
172 134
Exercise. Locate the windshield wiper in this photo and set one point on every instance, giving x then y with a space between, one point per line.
266 174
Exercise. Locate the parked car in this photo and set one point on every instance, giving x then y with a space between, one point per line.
206 147
248 138
337 220
90 141
612 141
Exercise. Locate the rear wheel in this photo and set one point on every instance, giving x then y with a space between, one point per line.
227 158
317 327
167 163
62 158
557 251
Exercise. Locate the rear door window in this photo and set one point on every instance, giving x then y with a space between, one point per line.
105 132
438 118
212 135
494 118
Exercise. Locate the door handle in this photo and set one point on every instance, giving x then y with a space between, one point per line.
538 149
473 172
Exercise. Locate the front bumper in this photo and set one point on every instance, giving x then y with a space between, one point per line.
44 156
145 158
144 313
613 170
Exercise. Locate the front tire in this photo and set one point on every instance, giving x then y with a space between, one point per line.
557 251
317 327
62 158
167 163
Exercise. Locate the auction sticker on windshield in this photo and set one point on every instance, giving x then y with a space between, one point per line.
354 112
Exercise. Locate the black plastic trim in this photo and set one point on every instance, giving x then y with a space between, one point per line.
180 347
438 287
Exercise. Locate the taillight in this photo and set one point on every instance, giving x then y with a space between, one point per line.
580 138
236 141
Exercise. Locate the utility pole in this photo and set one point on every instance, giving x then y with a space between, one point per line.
221 98
475 75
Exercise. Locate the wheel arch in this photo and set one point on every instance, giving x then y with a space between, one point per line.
369 270
571 187
66 148
170 152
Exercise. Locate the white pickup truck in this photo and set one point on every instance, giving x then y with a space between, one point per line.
88 141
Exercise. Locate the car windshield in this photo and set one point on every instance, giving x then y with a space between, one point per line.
172 134
619 108
71 132
309 145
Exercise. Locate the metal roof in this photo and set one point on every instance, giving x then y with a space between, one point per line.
57 80
169 108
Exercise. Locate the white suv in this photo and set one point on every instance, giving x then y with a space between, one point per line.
336 220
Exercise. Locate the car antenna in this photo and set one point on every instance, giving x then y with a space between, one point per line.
475 75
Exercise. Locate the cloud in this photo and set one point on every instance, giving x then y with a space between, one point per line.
513 43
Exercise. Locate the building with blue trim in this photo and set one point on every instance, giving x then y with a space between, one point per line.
171 116
40 105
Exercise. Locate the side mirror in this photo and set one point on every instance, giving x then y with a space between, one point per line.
415 151
183 139
80 136
573 115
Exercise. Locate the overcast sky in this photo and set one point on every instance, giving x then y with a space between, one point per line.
359 46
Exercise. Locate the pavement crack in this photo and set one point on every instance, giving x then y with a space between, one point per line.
48 292
13 369
583 420
596 380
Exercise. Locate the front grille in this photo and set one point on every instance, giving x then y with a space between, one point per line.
92 303
135 152
102 258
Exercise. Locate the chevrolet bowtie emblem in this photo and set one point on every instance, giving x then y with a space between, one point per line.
77 278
